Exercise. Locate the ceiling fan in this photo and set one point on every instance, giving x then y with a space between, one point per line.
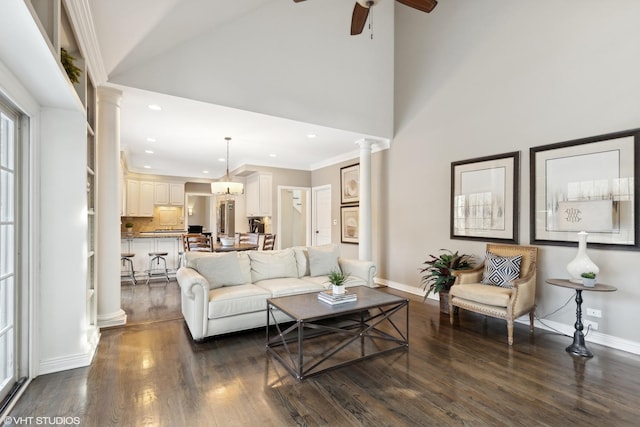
361 11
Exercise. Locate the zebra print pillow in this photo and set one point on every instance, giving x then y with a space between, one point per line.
500 271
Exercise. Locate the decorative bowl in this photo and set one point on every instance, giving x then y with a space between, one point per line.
227 241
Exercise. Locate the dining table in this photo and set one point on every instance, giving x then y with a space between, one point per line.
217 247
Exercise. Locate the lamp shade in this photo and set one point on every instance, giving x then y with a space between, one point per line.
227 187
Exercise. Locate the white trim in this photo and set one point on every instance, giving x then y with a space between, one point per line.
379 145
64 363
593 336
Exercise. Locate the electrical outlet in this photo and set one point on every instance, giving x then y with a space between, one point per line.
590 323
593 312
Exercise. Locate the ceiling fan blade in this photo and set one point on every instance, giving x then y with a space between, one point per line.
358 19
423 5
297 1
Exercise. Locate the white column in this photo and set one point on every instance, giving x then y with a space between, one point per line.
108 208
365 228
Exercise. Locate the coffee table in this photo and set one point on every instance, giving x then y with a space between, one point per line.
342 334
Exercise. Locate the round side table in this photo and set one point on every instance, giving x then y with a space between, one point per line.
578 347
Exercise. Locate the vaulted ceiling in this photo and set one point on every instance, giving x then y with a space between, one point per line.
264 72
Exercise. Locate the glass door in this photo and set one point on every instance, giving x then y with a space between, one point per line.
8 250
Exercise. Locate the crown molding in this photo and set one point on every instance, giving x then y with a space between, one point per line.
82 21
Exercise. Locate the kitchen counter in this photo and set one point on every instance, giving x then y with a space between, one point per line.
152 234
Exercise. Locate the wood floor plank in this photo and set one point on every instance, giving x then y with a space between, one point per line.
151 373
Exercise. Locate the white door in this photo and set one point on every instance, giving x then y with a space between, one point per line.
8 251
321 215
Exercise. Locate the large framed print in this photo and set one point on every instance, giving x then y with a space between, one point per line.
586 185
484 198
350 184
350 224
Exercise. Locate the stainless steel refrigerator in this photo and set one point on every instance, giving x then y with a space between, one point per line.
227 224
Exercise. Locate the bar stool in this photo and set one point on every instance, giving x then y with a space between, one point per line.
158 271
126 258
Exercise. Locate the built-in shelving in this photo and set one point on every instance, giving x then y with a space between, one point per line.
57 28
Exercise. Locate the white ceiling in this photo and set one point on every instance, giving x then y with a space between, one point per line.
264 72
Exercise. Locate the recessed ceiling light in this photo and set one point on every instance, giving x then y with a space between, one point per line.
273 155
151 139
311 135
154 107
222 160
205 171
148 151
147 167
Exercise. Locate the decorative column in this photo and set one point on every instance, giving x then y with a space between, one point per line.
365 228
108 208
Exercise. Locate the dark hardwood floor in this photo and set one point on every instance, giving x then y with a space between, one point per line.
151 373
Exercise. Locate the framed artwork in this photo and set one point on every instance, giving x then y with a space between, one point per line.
586 185
350 184
484 198
349 224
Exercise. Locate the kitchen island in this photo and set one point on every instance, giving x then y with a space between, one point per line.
142 243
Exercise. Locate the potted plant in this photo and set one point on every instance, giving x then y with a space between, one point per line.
68 62
338 279
129 227
589 279
438 274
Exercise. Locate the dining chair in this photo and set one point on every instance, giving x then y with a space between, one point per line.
196 242
249 238
269 242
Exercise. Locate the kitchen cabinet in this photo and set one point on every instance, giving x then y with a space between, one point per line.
258 194
169 193
140 196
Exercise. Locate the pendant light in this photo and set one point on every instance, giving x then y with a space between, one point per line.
224 186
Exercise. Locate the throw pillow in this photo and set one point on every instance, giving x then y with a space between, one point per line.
272 264
500 271
224 269
323 259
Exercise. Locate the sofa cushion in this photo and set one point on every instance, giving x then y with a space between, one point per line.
234 300
302 260
272 264
288 286
323 259
489 295
224 269
500 271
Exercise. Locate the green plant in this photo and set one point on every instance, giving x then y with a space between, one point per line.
338 278
438 274
129 225
589 275
68 63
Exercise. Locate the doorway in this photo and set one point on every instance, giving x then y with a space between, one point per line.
201 211
294 217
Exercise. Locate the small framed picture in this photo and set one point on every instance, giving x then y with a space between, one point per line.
350 225
350 184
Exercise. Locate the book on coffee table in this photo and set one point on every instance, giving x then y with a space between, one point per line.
330 298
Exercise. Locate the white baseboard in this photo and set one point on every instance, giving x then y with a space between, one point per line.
593 336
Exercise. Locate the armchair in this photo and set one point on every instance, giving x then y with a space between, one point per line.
508 301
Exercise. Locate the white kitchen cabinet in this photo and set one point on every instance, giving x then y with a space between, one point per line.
169 193
139 198
258 194
176 194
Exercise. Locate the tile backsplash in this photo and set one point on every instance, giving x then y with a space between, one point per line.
164 217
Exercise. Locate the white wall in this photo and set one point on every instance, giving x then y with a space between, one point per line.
496 76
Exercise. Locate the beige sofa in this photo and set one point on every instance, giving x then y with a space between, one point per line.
227 292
